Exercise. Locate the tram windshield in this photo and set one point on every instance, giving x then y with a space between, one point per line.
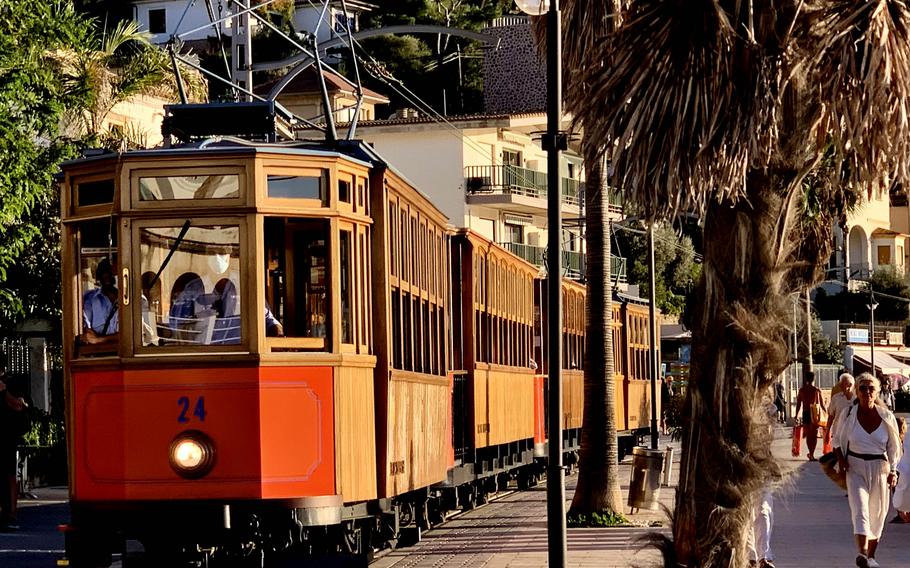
190 285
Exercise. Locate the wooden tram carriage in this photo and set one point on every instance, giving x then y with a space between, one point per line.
306 359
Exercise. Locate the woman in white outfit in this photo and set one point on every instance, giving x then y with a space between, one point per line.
868 448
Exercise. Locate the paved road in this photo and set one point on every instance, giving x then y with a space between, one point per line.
37 544
812 527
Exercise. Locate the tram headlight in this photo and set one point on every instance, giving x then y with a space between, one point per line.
192 454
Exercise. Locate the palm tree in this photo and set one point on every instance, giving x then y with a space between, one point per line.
117 65
764 117
597 489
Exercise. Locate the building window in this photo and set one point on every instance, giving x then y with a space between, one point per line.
514 233
884 255
571 170
511 158
158 21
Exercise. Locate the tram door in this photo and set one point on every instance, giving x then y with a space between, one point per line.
299 276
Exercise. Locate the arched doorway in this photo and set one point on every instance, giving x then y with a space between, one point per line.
858 244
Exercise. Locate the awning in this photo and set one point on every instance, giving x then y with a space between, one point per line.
884 362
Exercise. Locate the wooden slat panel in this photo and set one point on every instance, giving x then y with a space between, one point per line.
417 450
355 439
503 406
573 398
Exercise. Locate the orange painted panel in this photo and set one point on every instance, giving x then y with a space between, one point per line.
125 421
540 433
297 431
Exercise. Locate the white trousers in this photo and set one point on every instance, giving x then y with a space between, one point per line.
867 489
762 522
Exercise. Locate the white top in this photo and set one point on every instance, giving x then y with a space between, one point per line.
862 442
846 429
837 407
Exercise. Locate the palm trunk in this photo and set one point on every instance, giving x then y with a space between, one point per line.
756 254
598 480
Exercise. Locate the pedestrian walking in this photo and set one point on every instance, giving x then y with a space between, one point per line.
760 553
868 448
810 400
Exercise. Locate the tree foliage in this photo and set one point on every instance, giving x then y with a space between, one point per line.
853 306
61 74
677 271
34 97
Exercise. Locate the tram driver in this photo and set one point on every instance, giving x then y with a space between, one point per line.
100 322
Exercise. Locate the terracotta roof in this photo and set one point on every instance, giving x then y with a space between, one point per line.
433 119
305 82
886 233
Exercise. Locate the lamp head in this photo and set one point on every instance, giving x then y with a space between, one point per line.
533 7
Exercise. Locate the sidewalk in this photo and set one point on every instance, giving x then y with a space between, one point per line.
511 532
812 528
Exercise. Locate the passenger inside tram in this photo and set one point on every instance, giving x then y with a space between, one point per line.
100 321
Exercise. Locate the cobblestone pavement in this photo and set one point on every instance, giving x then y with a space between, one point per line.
511 532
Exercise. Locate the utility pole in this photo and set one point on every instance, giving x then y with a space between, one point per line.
652 316
809 333
242 61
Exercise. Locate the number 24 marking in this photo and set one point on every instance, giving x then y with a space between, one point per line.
199 411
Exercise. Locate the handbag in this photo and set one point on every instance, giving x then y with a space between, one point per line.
828 463
819 416
797 440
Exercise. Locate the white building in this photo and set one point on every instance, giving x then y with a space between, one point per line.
872 236
488 173
161 17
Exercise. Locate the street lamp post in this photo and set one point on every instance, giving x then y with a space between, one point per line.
871 305
554 141
652 320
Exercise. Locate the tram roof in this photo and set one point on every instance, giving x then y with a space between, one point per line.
356 151
221 146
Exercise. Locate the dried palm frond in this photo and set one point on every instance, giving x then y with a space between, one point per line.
863 69
679 105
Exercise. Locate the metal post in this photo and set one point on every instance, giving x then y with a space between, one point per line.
554 142
872 307
809 332
242 46
652 317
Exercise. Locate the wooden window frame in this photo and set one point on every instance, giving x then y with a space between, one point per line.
176 170
247 285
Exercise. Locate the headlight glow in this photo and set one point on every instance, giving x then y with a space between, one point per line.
192 454
188 454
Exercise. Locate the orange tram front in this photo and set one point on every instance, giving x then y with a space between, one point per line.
260 344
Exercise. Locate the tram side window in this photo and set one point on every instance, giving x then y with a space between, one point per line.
167 188
298 280
347 316
189 285
99 296
297 187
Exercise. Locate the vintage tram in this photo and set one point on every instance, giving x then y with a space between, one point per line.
277 351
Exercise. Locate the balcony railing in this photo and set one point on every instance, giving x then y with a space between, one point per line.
513 180
573 261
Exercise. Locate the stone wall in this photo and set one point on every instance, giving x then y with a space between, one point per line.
514 76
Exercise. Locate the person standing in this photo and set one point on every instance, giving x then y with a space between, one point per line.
780 401
868 448
809 396
12 410
840 401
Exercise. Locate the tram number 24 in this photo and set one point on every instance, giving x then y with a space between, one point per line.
184 403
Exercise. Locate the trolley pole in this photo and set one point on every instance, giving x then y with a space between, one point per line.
652 316
554 142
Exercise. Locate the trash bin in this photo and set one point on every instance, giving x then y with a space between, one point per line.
644 489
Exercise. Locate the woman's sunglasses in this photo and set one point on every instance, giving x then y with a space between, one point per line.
866 388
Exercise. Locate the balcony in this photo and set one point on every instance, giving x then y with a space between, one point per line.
573 261
524 188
